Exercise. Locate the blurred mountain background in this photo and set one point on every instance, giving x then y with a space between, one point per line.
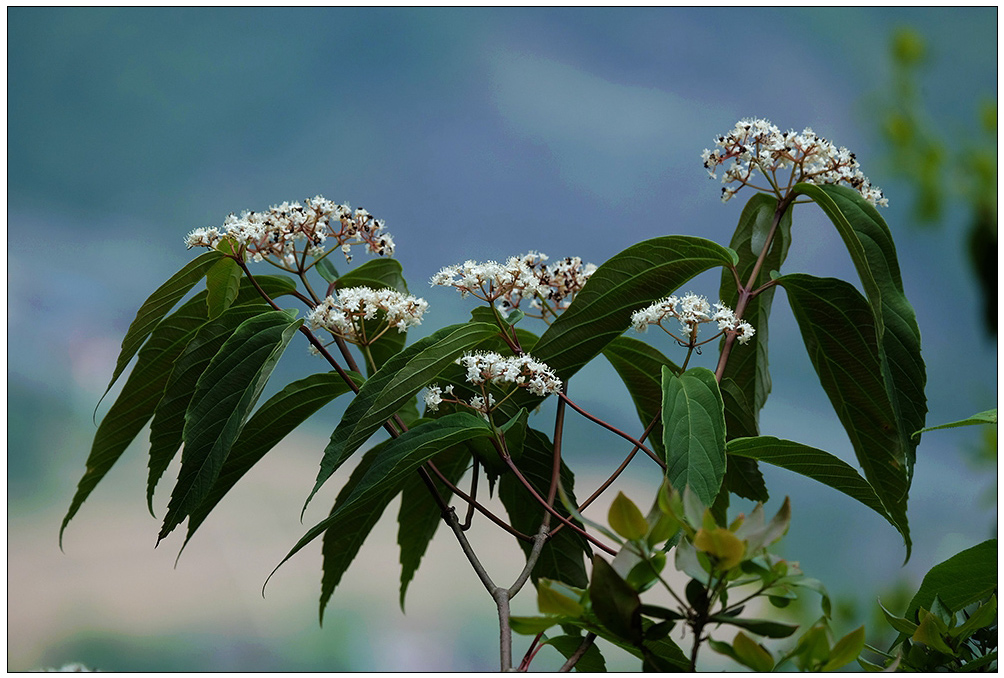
476 134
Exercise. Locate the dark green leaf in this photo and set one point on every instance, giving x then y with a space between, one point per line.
224 397
222 282
591 660
391 386
821 466
561 558
640 368
628 281
326 270
870 243
761 627
380 483
615 603
747 365
158 304
963 579
272 422
143 390
693 422
988 417
839 332
420 516
169 418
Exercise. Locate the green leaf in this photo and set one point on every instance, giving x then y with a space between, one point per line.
376 274
693 423
846 650
419 516
531 626
168 423
223 280
628 281
821 466
965 578
752 654
988 417
901 624
615 603
929 632
870 243
839 332
747 367
272 422
157 306
985 615
326 270
626 518
640 368
224 397
145 386
376 486
761 627
561 558
391 386
591 660
554 598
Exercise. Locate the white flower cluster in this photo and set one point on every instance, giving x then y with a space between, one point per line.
491 280
562 280
343 315
523 277
755 144
279 231
491 368
691 310
485 367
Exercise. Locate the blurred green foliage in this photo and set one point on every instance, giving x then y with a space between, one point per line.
942 164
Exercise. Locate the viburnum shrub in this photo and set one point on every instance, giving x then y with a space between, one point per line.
464 402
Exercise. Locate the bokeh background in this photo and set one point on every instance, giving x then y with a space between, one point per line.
475 133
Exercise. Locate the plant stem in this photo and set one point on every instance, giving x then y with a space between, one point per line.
746 292
614 429
577 655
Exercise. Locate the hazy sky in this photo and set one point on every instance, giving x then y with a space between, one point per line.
474 134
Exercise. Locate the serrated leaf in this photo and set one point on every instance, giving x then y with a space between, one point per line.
224 397
628 281
223 280
639 366
821 466
157 306
626 518
693 424
391 386
965 578
988 417
272 422
381 481
561 558
870 243
169 418
144 388
839 332
419 516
